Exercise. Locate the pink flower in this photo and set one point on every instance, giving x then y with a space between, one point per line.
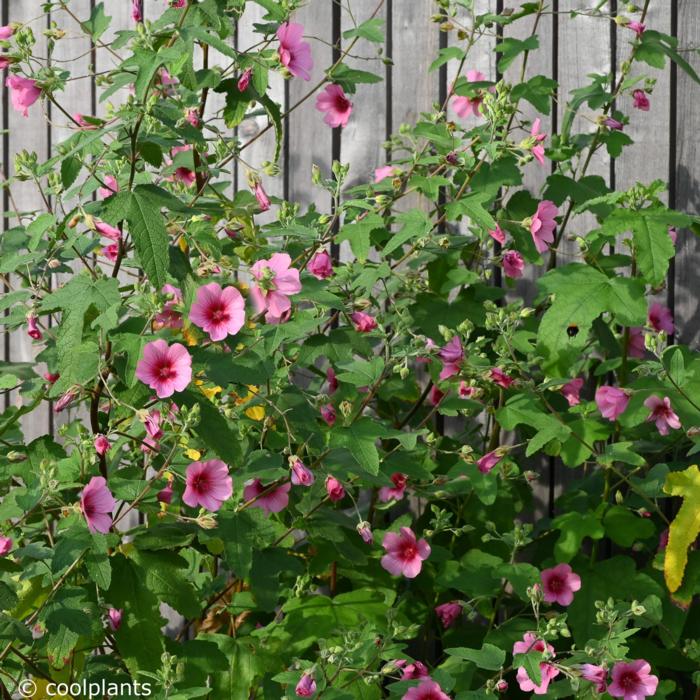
207 484
387 493
632 681
448 613
331 381
165 369
178 4
328 414
404 554
611 401
543 224
436 395
532 643
463 105
500 377
5 61
596 675
334 489
364 323
244 80
301 474
321 265
111 251
637 27
114 618
111 186
64 401
538 138
137 10
673 234
192 117
32 328
365 532
5 545
83 123
613 124
489 461
465 391
636 347
413 671
182 174
110 232
101 444
97 504
660 318
559 584
571 391
153 431
273 501
165 495
502 685
261 196
427 690
452 356
23 92
334 102
295 54
513 264
306 687
169 316
662 414
384 172
6 32
276 282
498 234
218 312
641 101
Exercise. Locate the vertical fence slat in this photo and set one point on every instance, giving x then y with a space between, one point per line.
309 139
30 134
687 308
264 148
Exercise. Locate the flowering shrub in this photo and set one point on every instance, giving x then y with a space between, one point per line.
275 417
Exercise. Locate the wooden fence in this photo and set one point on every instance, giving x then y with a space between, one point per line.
667 138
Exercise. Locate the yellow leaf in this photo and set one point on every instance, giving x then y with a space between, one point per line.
685 528
255 412
38 689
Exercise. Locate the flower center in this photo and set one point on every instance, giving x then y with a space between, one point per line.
200 483
628 680
166 372
556 584
409 551
219 314
342 104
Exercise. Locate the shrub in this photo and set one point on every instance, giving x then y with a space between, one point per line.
324 463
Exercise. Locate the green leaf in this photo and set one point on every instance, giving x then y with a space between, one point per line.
653 246
70 167
537 91
685 528
348 78
372 30
531 663
237 531
653 46
489 657
472 207
512 48
358 233
625 528
574 528
150 237
581 294
360 438
8 598
98 23
449 53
